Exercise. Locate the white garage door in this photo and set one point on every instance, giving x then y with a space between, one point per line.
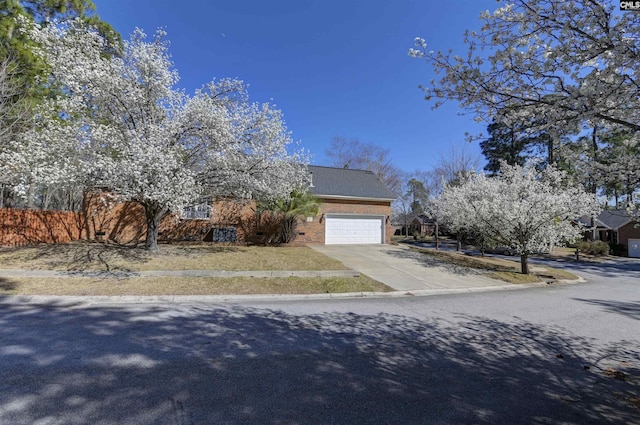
634 248
353 230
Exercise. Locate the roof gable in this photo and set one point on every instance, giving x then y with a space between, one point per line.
614 219
347 183
609 219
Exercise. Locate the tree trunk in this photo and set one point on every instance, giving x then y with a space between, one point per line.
524 263
458 241
406 226
550 144
437 239
288 229
31 196
154 213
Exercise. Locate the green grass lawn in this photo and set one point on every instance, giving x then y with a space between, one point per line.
85 256
499 268
187 286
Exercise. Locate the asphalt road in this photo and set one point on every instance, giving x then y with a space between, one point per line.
558 354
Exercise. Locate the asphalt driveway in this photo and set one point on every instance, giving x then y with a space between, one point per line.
405 270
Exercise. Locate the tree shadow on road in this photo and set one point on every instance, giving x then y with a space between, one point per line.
629 309
149 364
616 267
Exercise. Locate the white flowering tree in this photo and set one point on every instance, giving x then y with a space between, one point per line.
522 208
147 141
618 165
563 65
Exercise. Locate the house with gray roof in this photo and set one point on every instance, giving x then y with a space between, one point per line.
355 208
616 226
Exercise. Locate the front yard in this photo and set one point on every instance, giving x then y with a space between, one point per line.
112 260
499 268
88 256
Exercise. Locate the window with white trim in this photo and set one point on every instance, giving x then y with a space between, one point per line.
197 212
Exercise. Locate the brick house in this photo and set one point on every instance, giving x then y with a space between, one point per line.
418 225
618 227
355 208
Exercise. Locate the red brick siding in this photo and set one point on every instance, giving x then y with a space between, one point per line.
314 231
26 227
626 232
124 222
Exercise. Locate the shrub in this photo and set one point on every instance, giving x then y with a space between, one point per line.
593 247
617 249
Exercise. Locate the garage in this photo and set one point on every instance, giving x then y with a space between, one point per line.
354 229
634 248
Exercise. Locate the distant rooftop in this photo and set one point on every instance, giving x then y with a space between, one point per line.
611 219
346 182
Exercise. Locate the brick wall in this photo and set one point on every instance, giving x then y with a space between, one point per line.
106 218
124 222
314 231
26 227
628 231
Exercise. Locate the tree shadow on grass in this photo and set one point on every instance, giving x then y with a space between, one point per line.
96 256
7 285
175 364
75 256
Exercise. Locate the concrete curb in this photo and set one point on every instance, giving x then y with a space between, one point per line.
72 301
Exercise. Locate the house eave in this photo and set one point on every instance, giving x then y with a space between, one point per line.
621 225
353 198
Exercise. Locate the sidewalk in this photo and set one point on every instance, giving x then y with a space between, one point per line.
8 273
83 301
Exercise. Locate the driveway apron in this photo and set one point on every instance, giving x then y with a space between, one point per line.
406 270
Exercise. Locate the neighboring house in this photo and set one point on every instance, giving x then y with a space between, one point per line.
355 208
421 225
413 224
617 227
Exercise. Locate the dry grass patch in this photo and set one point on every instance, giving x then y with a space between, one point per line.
86 256
570 254
501 269
514 277
187 286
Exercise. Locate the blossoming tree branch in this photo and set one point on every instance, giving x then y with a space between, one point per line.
119 122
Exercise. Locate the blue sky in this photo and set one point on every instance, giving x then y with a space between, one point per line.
334 67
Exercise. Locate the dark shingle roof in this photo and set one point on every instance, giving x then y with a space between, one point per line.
345 182
610 219
614 218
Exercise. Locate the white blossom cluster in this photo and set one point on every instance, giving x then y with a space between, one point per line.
120 123
522 208
556 63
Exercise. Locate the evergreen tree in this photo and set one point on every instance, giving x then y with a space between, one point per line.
17 45
504 144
